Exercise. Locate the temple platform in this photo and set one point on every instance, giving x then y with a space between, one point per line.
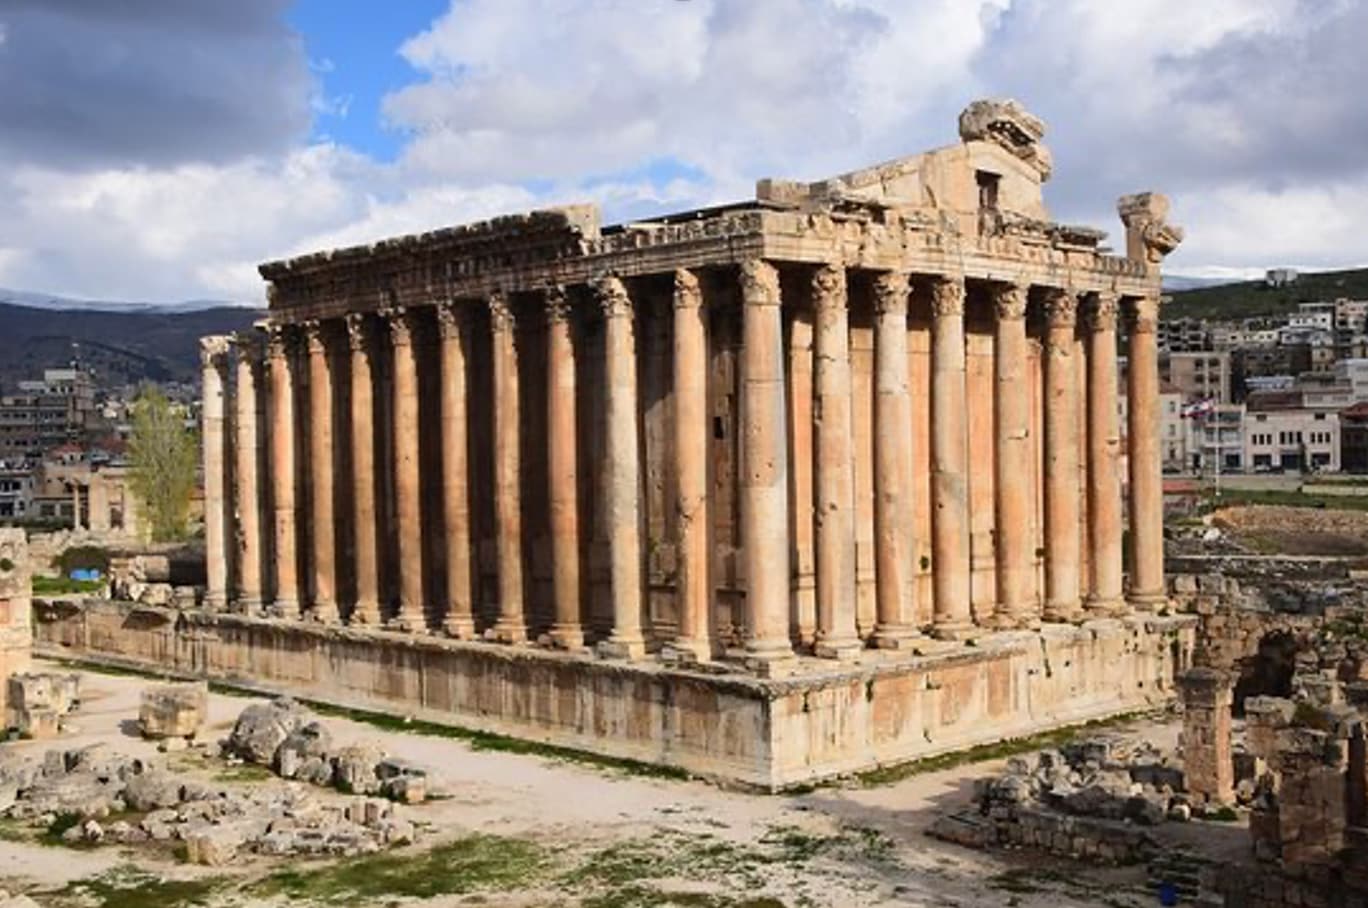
814 720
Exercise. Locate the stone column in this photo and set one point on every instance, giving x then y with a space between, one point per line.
949 462
214 363
1013 456
280 360
764 469
567 631
622 488
364 519
693 583
834 438
1104 455
1062 531
1145 460
407 484
1208 765
320 473
247 447
511 626
453 326
895 558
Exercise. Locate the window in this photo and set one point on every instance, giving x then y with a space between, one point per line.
1320 416
988 186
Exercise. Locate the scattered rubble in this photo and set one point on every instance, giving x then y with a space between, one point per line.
173 710
36 702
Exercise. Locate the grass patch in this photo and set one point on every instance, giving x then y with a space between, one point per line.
127 886
49 586
1010 747
477 863
648 897
246 773
1283 498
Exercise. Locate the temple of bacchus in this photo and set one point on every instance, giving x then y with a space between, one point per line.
771 491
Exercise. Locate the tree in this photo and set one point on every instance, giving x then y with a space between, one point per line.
163 463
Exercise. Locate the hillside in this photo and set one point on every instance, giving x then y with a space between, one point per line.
1252 299
122 347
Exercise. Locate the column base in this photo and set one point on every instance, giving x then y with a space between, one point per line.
248 606
1105 608
896 637
687 652
507 631
283 608
365 614
1063 612
408 621
324 613
842 649
767 658
459 628
565 636
953 630
216 602
1147 602
622 647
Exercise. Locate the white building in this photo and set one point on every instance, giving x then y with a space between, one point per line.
1283 434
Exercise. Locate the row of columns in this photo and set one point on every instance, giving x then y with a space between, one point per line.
763 478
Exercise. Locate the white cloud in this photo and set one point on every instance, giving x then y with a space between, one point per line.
646 106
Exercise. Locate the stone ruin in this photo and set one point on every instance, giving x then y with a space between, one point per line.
37 703
94 795
173 711
16 597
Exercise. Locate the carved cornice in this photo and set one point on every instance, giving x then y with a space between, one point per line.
759 283
1101 311
1142 315
1010 301
558 308
611 295
947 297
891 289
1061 308
688 293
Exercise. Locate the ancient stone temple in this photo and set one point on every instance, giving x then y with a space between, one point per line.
851 446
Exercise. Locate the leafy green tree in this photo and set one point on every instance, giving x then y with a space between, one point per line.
163 458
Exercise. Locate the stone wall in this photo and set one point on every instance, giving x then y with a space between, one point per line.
16 590
767 734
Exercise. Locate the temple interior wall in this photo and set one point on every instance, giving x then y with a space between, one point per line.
765 734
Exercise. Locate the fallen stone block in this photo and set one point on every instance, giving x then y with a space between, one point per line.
173 710
310 742
215 846
263 727
354 769
152 791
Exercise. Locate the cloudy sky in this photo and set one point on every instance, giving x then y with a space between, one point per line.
158 149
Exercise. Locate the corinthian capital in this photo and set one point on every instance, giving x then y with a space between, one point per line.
829 287
1010 301
451 318
358 332
1061 308
947 297
501 317
1101 311
214 350
315 337
400 326
688 294
557 304
759 283
611 295
890 293
1143 314
280 341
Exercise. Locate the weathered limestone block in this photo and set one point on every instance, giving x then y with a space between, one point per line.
263 727
1208 762
37 701
355 769
217 845
152 791
16 597
173 710
305 753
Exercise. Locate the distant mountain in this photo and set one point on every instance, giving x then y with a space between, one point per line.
49 301
1255 299
122 345
1176 282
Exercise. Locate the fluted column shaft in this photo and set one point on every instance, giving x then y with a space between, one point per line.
511 626
949 461
1104 455
320 474
453 326
1145 459
1062 531
365 538
834 439
1012 503
764 468
567 629
894 565
280 358
214 360
693 583
622 489
407 483
247 500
